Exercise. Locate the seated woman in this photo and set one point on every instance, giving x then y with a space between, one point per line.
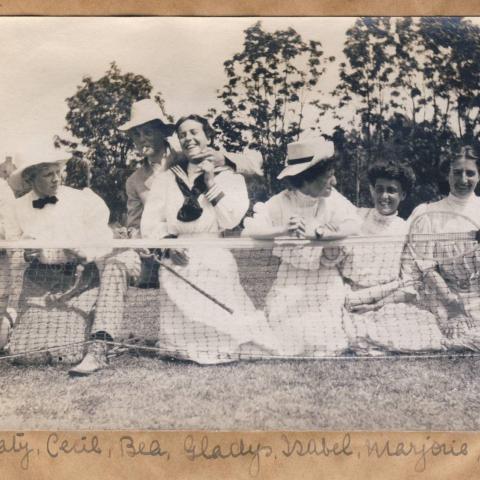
384 314
452 285
305 303
196 199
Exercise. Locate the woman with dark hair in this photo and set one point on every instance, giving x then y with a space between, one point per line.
382 301
452 284
194 199
305 303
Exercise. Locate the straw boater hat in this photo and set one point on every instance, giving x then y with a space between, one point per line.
303 155
145 111
45 154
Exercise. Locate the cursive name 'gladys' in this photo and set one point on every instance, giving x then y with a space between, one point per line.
205 450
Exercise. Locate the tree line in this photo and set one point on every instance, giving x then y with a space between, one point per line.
408 90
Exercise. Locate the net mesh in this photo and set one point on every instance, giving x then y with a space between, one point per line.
221 300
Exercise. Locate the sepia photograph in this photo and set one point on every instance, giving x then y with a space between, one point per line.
240 223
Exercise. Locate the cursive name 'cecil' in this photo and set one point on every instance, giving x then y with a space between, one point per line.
204 450
85 444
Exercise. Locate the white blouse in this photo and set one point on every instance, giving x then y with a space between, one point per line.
372 263
455 268
79 217
335 209
165 199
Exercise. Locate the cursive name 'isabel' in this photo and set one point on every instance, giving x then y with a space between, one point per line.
316 447
204 450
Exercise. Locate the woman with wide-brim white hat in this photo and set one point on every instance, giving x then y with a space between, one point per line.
305 303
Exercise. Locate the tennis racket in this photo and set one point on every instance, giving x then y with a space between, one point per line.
155 255
441 236
450 241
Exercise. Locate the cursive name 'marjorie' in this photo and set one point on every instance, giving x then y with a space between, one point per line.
422 450
205 450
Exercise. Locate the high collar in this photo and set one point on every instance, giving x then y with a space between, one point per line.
305 200
454 200
377 217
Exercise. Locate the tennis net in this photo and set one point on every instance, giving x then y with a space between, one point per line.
217 300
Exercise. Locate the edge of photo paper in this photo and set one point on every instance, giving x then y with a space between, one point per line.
239 455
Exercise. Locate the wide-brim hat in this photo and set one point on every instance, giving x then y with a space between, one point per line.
145 111
304 155
36 156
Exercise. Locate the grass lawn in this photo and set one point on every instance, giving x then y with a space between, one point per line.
144 392
148 393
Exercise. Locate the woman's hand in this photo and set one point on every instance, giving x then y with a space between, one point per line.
208 167
326 231
179 256
212 155
296 227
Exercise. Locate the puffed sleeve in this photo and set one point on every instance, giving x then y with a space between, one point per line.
134 204
96 216
154 222
265 214
345 213
425 248
229 196
9 228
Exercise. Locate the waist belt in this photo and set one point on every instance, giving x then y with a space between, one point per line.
67 267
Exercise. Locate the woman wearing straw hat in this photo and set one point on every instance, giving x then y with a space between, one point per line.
205 314
305 302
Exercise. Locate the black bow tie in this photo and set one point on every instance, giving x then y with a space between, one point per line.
41 202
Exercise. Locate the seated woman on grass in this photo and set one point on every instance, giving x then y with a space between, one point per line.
452 283
382 300
305 303
205 314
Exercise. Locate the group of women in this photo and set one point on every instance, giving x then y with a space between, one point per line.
364 297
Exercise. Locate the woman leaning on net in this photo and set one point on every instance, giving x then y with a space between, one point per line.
384 312
452 282
197 200
305 303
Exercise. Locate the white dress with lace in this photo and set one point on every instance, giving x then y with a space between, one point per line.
461 274
396 327
191 325
305 304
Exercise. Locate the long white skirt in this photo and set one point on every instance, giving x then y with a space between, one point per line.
193 326
396 327
305 306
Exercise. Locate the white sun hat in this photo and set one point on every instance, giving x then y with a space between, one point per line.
36 155
145 111
303 155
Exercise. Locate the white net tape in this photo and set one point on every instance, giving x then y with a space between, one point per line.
216 300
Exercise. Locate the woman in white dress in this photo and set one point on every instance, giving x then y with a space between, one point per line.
191 200
452 287
305 304
385 315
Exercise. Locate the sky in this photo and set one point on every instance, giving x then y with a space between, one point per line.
45 59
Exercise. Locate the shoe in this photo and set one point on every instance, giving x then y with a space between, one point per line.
94 360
